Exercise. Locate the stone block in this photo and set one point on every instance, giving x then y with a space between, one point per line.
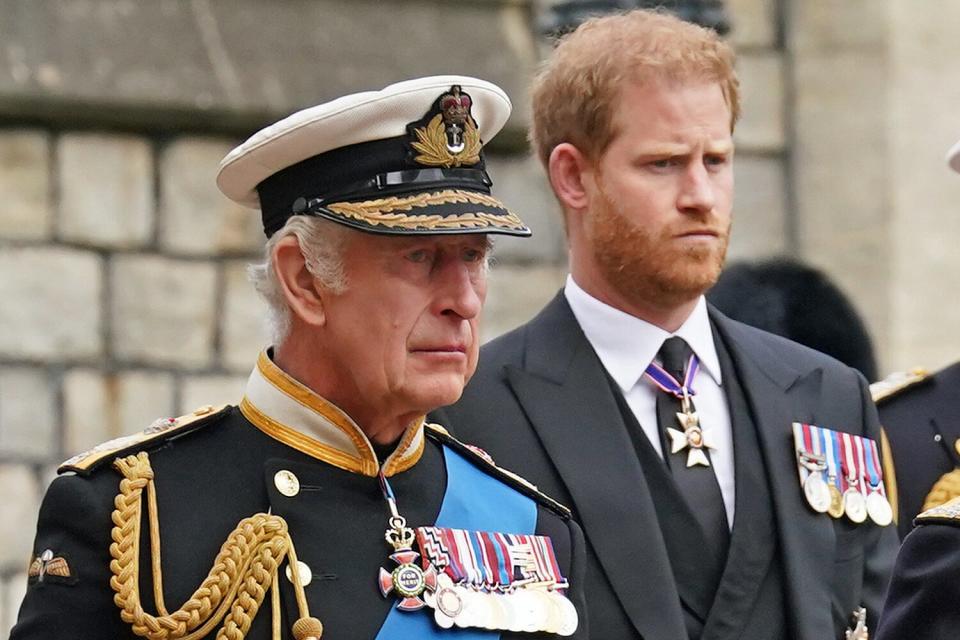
516 294
520 183
25 207
754 23
236 63
163 311
18 515
87 411
761 126
243 321
99 406
142 397
14 589
106 190
195 218
28 414
760 209
51 308
199 390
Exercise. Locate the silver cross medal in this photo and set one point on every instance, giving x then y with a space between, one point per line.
691 437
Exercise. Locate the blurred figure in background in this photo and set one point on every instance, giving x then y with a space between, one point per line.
921 413
793 300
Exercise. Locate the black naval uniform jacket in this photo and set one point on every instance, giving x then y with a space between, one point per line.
221 468
924 598
922 423
541 402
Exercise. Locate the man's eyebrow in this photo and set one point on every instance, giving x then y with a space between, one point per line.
720 146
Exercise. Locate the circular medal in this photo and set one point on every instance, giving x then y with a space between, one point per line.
466 615
530 611
836 501
408 580
569 619
497 615
816 492
855 505
879 510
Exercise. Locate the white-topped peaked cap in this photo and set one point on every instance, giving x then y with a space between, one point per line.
405 159
953 157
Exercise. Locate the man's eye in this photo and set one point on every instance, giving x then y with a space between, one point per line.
716 160
473 255
419 256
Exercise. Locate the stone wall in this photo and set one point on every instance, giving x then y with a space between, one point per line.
122 269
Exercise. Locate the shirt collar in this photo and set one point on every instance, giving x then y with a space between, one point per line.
290 412
626 345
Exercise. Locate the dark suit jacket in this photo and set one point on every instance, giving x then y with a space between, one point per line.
541 405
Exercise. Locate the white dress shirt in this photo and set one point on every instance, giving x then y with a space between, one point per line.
626 345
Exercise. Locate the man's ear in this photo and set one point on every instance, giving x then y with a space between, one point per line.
298 285
567 169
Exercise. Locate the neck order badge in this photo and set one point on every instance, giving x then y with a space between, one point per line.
692 435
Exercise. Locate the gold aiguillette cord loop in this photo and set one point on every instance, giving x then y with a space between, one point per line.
246 566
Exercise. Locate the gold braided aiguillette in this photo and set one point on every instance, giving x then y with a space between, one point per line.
247 565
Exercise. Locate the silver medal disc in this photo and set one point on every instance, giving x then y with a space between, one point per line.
879 510
855 505
569 619
817 493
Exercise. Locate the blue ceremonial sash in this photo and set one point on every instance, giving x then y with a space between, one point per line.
474 501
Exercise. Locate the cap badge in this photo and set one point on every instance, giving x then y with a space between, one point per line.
451 137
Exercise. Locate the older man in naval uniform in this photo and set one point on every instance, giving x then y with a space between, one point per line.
692 449
323 501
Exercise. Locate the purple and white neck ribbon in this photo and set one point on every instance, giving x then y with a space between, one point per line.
666 382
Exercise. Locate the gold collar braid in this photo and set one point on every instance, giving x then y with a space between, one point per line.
247 565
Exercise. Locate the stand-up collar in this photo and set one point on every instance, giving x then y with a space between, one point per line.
288 411
626 345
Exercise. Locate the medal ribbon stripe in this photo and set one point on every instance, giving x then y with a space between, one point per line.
873 466
838 452
849 466
503 570
861 464
800 448
666 382
487 562
506 566
830 448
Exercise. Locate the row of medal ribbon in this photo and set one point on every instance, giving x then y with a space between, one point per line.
495 580
841 474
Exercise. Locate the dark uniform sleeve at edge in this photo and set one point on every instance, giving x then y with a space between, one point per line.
923 597
74 524
880 546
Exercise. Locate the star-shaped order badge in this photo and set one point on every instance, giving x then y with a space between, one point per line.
691 437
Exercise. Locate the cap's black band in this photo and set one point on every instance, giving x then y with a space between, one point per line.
401 181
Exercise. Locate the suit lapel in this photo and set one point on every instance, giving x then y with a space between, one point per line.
779 395
564 390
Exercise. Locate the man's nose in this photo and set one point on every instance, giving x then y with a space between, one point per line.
462 290
697 192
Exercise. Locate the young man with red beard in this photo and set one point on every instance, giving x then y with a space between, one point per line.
723 476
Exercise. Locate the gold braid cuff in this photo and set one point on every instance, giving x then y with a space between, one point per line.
246 566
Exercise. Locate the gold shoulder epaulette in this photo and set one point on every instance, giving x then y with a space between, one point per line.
895 383
161 429
484 460
948 513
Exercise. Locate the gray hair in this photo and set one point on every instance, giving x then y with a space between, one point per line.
321 242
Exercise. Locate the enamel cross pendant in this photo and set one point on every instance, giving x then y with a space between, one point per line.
692 438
